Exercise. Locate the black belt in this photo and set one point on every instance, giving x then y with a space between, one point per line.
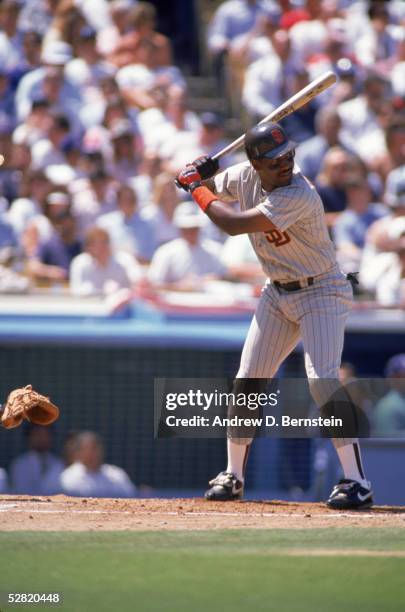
294 285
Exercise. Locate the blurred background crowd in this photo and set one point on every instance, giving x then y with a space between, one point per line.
98 113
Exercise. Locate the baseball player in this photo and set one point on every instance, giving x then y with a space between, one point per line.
305 296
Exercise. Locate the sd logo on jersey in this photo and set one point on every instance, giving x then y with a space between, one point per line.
277 238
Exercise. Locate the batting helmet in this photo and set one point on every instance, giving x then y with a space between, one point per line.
267 140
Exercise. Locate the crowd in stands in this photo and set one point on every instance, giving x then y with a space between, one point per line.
95 121
80 472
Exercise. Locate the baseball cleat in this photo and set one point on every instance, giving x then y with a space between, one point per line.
225 487
350 495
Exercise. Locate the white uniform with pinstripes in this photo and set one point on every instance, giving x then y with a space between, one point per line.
299 249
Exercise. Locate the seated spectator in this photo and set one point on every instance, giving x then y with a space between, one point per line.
140 25
185 145
48 151
128 229
333 174
88 476
240 260
160 211
185 262
126 150
3 481
36 472
361 126
109 36
159 124
394 157
268 81
7 108
11 52
100 271
55 254
92 196
378 44
48 81
30 206
379 242
389 411
310 154
390 285
349 231
135 80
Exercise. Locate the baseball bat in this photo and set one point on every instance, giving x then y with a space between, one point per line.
299 99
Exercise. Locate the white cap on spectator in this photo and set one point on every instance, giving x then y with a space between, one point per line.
188 215
60 174
56 52
58 197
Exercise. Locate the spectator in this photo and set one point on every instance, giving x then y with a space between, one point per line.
93 196
126 150
160 211
361 129
55 254
389 412
7 108
10 36
88 476
379 42
240 260
109 37
330 181
269 80
128 230
100 271
394 157
232 19
310 154
390 285
30 206
185 262
140 25
33 472
186 145
49 81
48 151
135 80
3 481
349 231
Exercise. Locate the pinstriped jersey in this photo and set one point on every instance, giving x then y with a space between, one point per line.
301 245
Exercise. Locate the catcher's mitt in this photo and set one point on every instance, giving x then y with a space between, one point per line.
26 403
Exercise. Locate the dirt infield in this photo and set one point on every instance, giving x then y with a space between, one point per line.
61 513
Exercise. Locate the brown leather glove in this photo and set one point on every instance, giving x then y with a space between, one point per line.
28 404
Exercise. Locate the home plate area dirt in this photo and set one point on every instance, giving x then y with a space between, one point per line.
61 513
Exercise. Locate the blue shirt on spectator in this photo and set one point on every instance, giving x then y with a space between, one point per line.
352 226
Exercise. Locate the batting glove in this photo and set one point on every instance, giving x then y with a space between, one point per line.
206 166
188 178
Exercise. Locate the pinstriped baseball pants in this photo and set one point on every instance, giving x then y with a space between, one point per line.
316 315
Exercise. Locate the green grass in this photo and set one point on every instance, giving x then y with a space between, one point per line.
247 570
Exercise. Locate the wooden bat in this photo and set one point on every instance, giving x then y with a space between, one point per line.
299 99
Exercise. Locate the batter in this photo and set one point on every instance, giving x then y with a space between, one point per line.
305 297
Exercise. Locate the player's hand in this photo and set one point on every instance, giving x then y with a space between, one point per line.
206 166
188 178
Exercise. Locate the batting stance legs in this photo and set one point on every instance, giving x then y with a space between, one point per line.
317 315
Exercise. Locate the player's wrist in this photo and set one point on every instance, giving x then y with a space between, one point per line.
203 197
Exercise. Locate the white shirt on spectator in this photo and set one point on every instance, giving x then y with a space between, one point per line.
3 481
44 154
360 127
87 277
24 211
139 75
107 481
164 230
178 260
